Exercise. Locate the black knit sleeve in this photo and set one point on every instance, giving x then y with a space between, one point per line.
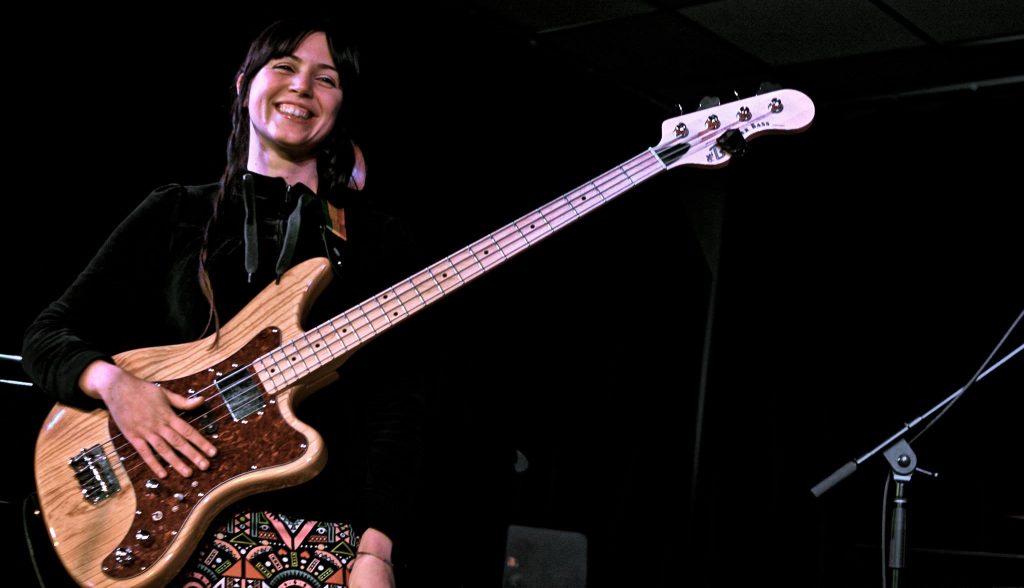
99 314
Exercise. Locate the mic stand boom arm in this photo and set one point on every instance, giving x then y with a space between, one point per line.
851 466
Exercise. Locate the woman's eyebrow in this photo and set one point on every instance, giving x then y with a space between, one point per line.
319 65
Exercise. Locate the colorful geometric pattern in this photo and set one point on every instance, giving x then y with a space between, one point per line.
271 550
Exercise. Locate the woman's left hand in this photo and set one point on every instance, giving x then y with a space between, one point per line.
370 572
372 566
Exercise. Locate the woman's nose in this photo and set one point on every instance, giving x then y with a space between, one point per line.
300 83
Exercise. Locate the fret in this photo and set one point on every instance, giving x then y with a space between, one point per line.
430 290
626 175
575 199
510 239
532 227
416 292
284 367
321 349
434 289
278 369
382 313
589 200
476 259
349 330
309 354
393 308
466 264
295 360
398 300
367 323
556 211
444 272
487 252
498 246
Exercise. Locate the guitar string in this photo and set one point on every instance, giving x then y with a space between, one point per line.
644 163
641 167
563 207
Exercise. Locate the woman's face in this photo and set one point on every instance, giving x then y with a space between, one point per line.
294 100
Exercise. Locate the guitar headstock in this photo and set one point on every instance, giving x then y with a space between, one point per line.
710 137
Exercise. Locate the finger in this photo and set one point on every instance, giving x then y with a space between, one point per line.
170 456
194 437
181 443
184 402
142 448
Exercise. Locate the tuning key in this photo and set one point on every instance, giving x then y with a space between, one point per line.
743 114
708 102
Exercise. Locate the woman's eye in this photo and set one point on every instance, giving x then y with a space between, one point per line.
284 67
329 81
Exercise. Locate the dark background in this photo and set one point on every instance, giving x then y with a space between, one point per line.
858 273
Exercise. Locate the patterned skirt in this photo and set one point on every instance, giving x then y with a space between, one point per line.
266 550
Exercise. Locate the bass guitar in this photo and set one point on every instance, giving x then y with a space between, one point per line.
113 523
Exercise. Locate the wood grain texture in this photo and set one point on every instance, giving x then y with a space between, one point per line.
269 449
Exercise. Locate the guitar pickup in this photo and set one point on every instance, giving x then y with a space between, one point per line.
241 394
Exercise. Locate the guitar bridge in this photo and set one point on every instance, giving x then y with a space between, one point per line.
95 474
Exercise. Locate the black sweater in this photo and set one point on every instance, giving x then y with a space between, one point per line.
142 290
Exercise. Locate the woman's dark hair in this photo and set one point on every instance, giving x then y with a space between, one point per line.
335 157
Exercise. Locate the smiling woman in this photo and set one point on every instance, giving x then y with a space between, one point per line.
220 425
293 103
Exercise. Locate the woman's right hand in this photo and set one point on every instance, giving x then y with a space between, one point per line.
145 414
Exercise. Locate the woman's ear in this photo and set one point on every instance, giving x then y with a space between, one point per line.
238 84
358 179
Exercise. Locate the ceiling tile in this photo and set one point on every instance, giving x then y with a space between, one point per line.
956 20
544 15
658 50
784 32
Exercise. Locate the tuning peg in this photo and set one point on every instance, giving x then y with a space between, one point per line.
708 102
766 87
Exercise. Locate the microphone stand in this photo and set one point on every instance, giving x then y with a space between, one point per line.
849 467
903 461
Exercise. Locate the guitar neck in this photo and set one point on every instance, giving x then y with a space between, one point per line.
323 345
